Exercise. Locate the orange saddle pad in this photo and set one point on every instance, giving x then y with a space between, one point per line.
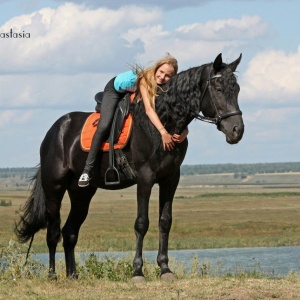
89 129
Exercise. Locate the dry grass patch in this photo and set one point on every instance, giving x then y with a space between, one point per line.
198 288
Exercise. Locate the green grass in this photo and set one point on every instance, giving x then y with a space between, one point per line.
204 216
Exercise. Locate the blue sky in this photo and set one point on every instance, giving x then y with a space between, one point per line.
75 47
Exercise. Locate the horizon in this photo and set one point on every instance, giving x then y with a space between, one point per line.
261 163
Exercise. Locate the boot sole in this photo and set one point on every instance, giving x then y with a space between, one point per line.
83 184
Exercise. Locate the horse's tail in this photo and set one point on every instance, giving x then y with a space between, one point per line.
34 212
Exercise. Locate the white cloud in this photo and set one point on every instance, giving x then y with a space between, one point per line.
71 38
273 76
168 4
9 117
196 42
6 116
247 27
272 129
74 50
49 91
272 116
75 38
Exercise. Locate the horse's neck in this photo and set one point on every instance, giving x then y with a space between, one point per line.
178 102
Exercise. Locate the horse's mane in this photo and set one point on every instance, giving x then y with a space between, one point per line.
177 103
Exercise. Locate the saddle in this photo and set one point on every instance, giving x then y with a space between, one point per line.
118 138
120 130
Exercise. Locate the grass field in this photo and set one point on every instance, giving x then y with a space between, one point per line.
210 211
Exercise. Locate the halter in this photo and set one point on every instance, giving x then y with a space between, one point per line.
217 120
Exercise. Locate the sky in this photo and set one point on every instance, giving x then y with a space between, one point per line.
70 50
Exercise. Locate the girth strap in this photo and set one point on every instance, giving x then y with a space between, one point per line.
123 164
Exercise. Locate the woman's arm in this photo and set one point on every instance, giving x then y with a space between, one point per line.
152 115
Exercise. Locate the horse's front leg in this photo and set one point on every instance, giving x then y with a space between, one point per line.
141 226
167 189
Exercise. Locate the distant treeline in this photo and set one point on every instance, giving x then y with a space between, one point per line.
247 169
13 172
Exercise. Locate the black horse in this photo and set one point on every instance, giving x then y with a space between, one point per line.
211 89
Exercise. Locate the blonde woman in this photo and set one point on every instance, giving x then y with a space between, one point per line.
146 83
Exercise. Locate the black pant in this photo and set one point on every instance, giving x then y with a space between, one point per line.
108 106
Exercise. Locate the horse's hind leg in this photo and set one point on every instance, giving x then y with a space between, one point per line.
53 205
80 201
167 189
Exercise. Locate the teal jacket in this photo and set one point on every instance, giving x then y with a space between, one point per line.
126 82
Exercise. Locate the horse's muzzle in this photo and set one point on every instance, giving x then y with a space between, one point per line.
233 128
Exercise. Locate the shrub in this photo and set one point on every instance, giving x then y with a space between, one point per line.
5 203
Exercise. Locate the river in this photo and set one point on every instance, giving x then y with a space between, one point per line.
272 261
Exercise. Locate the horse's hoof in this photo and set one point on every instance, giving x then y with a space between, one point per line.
168 277
138 279
73 276
52 276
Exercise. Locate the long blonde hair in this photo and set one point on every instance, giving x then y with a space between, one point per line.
148 75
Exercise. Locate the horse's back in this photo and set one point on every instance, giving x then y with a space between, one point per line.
62 142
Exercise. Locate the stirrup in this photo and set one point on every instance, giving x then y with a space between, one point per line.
113 170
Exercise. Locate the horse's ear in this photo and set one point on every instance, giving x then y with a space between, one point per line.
235 63
218 63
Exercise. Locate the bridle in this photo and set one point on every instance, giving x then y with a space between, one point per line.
217 120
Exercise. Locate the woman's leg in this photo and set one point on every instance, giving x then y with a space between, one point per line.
108 106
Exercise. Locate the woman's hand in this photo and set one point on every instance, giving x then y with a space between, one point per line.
179 138
167 140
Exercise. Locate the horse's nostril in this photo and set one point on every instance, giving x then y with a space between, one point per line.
236 131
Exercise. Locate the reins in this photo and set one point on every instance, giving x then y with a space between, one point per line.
217 120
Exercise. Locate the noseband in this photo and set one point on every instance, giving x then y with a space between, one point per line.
217 120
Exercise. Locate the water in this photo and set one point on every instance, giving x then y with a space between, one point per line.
273 261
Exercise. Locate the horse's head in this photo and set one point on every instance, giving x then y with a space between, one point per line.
219 101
